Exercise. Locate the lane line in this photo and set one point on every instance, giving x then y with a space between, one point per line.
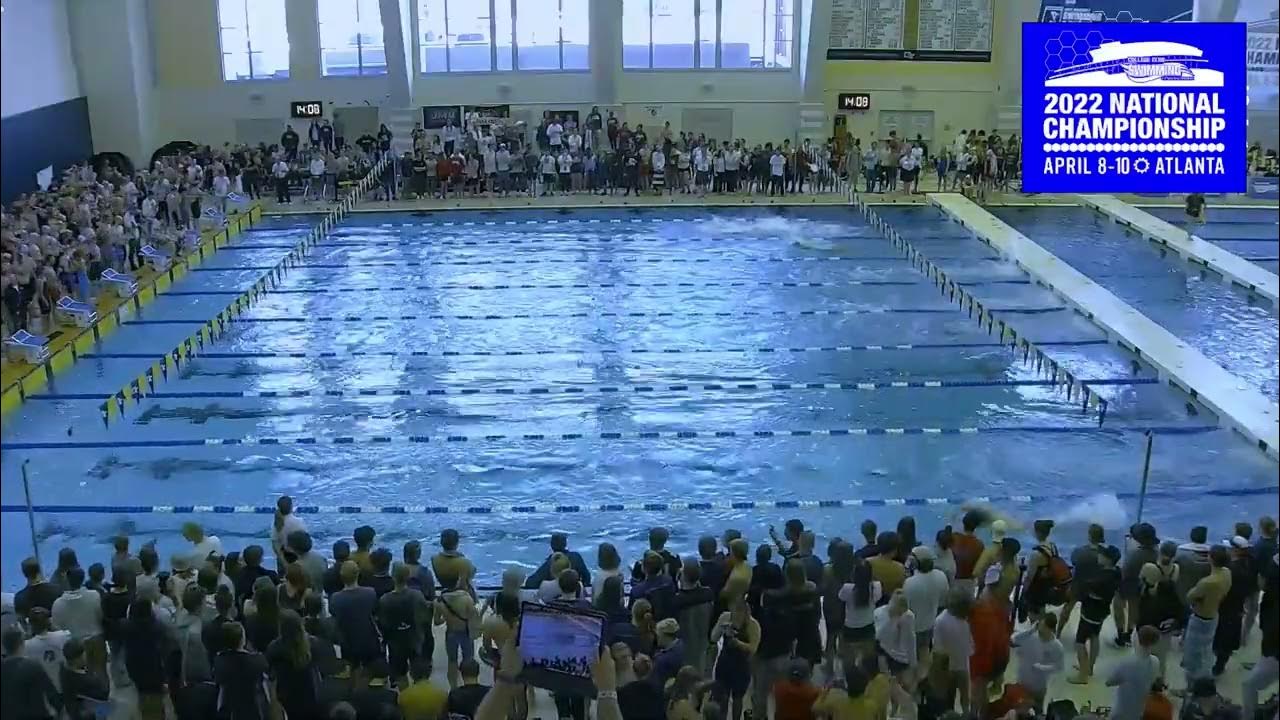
589 286
594 261
257 441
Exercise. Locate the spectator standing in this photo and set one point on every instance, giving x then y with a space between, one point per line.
861 596
1134 676
738 635
952 649
353 609
1140 548
1244 584
280 172
794 696
36 593
456 610
990 626
84 693
241 676
865 695
147 646
466 698
292 663
1158 606
1205 599
692 608
45 645
925 592
896 643
405 618
25 689
79 611
1267 670
1097 594
1040 657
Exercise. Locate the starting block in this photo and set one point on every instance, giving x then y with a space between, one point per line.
119 283
28 348
156 259
74 312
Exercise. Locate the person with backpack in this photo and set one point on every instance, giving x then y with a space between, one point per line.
1048 577
1095 606
1158 605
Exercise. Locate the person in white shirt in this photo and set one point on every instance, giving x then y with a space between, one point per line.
777 166
554 132
450 134
717 166
45 644
221 189
502 161
860 597
910 170
201 544
548 173
926 590
316 179
1040 657
952 648
283 525
565 163
574 141
658 165
702 166
79 612
489 162
280 171
896 640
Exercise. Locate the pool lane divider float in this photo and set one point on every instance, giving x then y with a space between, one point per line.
211 330
594 261
1076 390
1238 271
581 315
594 389
588 286
70 346
662 507
1236 402
408 355
640 435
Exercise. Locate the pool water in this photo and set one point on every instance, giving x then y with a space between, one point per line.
1220 321
1251 233
700 344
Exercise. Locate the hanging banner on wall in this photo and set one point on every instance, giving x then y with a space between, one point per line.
485 113
1133 107
435 117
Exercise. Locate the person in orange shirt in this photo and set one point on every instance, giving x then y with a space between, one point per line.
990 625
1158 706
793 696
967 548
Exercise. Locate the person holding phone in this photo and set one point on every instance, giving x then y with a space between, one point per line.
738 635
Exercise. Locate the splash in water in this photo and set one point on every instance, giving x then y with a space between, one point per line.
809 234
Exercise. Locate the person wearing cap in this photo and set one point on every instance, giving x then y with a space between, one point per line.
1141 548
967 549
795 694
669 657
83 692
925 592
201 544
1205 599
1244 583
1096 599
1084 561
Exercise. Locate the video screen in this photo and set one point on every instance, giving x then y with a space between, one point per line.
559 640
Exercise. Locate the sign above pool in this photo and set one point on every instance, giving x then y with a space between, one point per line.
1133 107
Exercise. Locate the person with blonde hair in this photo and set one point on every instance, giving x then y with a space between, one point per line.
1157 605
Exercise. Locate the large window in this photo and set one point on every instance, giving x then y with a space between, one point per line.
665 34
486 35
254 38
351 38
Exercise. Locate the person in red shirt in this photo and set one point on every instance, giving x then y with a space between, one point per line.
444 168
967 548
793 696
990 626
1015 699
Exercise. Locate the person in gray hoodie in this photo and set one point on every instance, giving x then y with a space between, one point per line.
79 611
1192 561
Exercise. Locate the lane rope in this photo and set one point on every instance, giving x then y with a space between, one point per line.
640 260
570 509
257 441
581 315
402 355
589 286
762 384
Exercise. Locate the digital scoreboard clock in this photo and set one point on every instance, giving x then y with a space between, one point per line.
853 101
306 109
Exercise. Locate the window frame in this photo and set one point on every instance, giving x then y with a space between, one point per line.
718 55
248 48
496 47
360 67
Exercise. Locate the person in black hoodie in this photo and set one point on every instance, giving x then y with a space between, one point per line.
81 689
1267 670
559 544
250 572
241 676
1244 583
289 142
765 575
147 651
692 608
658 537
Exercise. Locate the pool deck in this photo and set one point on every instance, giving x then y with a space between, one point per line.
1230 266
1239 404
20 379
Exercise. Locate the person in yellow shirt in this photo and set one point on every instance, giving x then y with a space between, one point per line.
1205 598
885 568
739 579
423 700
864 697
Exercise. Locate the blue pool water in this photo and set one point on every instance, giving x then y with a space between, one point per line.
1216 319
624 319
1251 233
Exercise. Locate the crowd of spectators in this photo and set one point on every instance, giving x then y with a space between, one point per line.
965 624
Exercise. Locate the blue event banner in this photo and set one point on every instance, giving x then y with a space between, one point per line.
1134 107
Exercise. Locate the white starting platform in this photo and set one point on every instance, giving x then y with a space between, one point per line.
1237 403
1230 266
156 259
119 284
74 312
28 348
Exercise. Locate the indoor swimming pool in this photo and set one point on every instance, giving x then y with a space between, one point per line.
646 359
1253 233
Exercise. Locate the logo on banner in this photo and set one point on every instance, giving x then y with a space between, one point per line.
1119 107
